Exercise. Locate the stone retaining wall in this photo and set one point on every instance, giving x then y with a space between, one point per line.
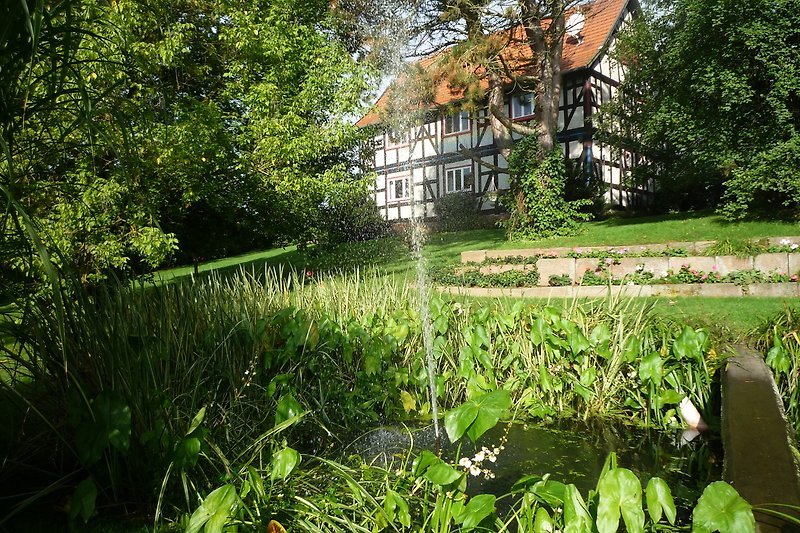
783 290
691 247
777 263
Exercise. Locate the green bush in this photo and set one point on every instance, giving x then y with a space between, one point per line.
352 217
456 211
768 187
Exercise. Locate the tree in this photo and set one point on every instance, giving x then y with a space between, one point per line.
483 48
711 97
132 129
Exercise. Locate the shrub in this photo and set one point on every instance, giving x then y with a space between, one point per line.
456 211
768 187
353 217
561 280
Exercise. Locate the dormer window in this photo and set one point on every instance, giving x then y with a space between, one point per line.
456 123
522 105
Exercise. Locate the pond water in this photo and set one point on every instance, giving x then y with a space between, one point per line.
570 452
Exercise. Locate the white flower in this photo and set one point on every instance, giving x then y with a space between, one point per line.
794 246
475 470
630 284
639 267
492 457
664 273
489 474
496 451
480 456
465 462
785 242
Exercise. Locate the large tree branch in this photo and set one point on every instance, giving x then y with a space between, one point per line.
515 127
466 152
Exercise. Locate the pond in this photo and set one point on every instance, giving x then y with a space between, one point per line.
571 452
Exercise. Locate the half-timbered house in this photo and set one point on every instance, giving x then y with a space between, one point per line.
428 161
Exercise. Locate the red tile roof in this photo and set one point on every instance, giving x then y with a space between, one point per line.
601 16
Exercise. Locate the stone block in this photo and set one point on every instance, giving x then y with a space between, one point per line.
706 264
582 265
794 263
769 263
730 263
781 290
555 267
473 256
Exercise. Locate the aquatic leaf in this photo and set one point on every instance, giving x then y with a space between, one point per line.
477 415
256 483
478 508
620 490
109 423
651 368
283 463
423 461
543 523
186 452
669 396
632 349
409 403
490 408
440 324
577 342
197 420
457 420
720 508
288 407
687 345
576 517
659 498
777 358
539 330
549 492
442 474
83 501
396 507
214 511
600 335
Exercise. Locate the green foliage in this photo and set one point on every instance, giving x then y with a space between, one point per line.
711 100
769 186
457 211
538 206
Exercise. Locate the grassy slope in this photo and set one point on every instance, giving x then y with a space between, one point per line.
391 257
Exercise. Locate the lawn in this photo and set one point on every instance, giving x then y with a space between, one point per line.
391 256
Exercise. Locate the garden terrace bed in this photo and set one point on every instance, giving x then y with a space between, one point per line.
670 290
642 266
697 248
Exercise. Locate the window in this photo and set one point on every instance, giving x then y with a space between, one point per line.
522 105
398 189
378 142
458 179
456 123
397 138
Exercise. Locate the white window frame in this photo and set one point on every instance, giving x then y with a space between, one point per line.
521 104
391 188
459 120
397 138
457 177
378 142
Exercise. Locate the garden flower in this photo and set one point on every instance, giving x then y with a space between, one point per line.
475 470
609 261
308 273
465 462
480 456
785 242
704 276
793 277
794 246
